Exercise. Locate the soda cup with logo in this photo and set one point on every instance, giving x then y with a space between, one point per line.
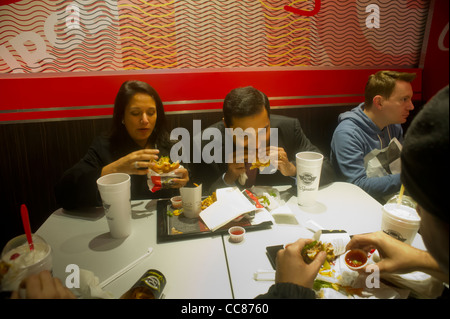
400 221
309 167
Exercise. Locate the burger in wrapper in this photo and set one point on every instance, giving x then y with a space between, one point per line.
161 174
259 164
310 251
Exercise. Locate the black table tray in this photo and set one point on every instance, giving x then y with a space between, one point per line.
192 227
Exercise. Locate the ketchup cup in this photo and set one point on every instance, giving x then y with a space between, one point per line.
236 234
355 259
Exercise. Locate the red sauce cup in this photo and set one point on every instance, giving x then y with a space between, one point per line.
356 259
236 234
176 202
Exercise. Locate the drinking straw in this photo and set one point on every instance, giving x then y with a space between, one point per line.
26 225
400 196
125 269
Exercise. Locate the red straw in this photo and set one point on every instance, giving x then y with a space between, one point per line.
26 225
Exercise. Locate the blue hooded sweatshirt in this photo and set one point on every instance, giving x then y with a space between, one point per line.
355 136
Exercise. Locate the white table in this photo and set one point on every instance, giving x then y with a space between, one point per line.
339 206
205 267
193 268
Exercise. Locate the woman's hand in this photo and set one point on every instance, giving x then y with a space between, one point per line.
182 181
136 163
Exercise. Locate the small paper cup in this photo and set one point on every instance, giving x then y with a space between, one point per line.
176 202
357 255
192 201
236 234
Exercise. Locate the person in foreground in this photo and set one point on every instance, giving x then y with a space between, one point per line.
372 125
139 135
248 108
425 158
43 286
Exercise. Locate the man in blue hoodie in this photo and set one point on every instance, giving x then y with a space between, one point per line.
372 125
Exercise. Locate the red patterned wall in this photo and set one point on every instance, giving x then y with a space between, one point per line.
64 59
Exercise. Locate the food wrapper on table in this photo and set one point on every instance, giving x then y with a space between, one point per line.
420 284
268 196
231 204
90 287
157 181
335 280
336 237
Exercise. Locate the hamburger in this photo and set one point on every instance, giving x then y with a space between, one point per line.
310 251
258 164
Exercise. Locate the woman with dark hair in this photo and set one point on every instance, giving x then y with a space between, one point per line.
138 136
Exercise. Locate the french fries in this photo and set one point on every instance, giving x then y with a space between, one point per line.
163 165
209 200
258 164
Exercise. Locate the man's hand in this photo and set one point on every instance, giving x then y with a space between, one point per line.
43 286
292 268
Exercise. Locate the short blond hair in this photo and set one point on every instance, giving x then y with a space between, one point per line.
383 83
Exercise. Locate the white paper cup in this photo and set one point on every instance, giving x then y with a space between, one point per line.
192 201
401 222
115 192
24 262
309 167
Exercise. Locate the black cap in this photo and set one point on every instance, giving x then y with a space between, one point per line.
425 157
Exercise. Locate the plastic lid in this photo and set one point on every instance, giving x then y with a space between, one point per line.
402 213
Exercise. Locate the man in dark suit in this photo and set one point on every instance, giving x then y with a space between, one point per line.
247 108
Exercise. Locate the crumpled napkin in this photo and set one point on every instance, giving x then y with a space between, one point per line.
242 178
419 283
90 287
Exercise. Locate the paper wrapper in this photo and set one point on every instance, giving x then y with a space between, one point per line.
161 181
230 204
384 162
89 287
338 238
242 178
345 283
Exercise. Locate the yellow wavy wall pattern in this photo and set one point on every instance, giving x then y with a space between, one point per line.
147 34
216 34
212 34
287 34
86 35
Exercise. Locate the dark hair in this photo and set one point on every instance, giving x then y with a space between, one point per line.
383 83
127 90
242 102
